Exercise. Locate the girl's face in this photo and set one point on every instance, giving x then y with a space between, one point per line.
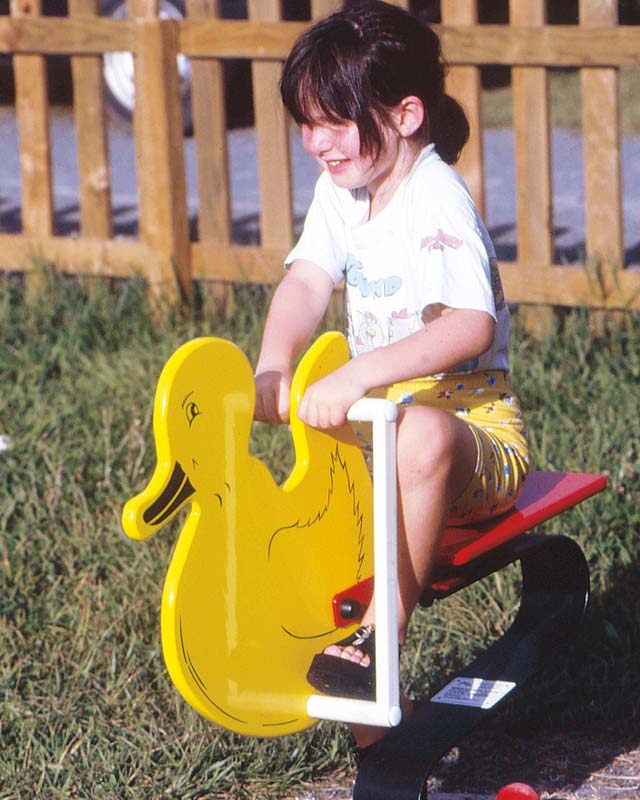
336 147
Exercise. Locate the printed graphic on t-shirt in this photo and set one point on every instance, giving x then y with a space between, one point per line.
401 323
380 287
369 332
440 240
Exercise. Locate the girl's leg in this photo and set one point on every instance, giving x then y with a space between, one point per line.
436 453
436 456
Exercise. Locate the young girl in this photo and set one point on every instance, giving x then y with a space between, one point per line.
425 315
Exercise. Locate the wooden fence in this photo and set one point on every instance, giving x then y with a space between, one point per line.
163 251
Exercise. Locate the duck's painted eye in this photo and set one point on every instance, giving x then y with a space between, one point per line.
192 411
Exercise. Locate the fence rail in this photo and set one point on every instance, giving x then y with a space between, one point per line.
164 252
525 45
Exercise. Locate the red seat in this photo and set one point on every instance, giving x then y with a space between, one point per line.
545 495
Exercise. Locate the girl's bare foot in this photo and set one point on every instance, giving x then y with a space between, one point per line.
346 668
349 653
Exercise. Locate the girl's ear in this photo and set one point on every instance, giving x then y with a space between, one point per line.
410 115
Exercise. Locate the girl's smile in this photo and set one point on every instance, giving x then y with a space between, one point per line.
337 149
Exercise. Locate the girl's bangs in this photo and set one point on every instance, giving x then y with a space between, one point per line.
321 92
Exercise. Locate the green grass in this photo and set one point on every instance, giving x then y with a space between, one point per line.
86 707
565 101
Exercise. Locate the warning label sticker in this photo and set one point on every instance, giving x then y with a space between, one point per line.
475 692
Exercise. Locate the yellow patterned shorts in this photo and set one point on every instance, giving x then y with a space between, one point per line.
486 402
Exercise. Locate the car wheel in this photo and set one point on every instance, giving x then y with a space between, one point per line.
118 67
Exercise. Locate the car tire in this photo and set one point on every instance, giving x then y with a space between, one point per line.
118 69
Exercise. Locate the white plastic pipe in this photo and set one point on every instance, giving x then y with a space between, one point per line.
385 710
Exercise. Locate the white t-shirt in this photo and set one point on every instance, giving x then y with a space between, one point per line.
428 247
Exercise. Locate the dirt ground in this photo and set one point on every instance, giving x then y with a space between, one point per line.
559 766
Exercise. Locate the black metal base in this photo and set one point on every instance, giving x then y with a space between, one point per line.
555 592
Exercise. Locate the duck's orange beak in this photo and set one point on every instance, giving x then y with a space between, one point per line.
175 493
148 511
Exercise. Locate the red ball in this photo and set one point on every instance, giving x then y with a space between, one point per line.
517 791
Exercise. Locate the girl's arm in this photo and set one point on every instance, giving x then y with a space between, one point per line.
297 307
454 337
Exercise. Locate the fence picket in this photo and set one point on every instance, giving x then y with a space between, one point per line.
91 135
210 129
530 86
463 83
158 125
601 138
532 148
32 113
320 8
272 132
212 156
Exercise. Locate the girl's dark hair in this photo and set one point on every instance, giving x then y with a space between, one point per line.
358 64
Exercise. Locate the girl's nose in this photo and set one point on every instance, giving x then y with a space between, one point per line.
314 139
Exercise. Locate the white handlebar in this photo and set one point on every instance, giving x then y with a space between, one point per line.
385 710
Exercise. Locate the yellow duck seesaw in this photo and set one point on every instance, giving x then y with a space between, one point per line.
247 599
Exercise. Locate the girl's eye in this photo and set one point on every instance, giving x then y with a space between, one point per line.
326 124
192 411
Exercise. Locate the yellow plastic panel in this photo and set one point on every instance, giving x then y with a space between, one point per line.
247 597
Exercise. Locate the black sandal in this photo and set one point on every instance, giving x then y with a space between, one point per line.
340 677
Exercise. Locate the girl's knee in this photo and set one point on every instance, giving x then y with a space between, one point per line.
427 442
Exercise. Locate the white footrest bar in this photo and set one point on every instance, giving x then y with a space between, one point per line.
342 709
